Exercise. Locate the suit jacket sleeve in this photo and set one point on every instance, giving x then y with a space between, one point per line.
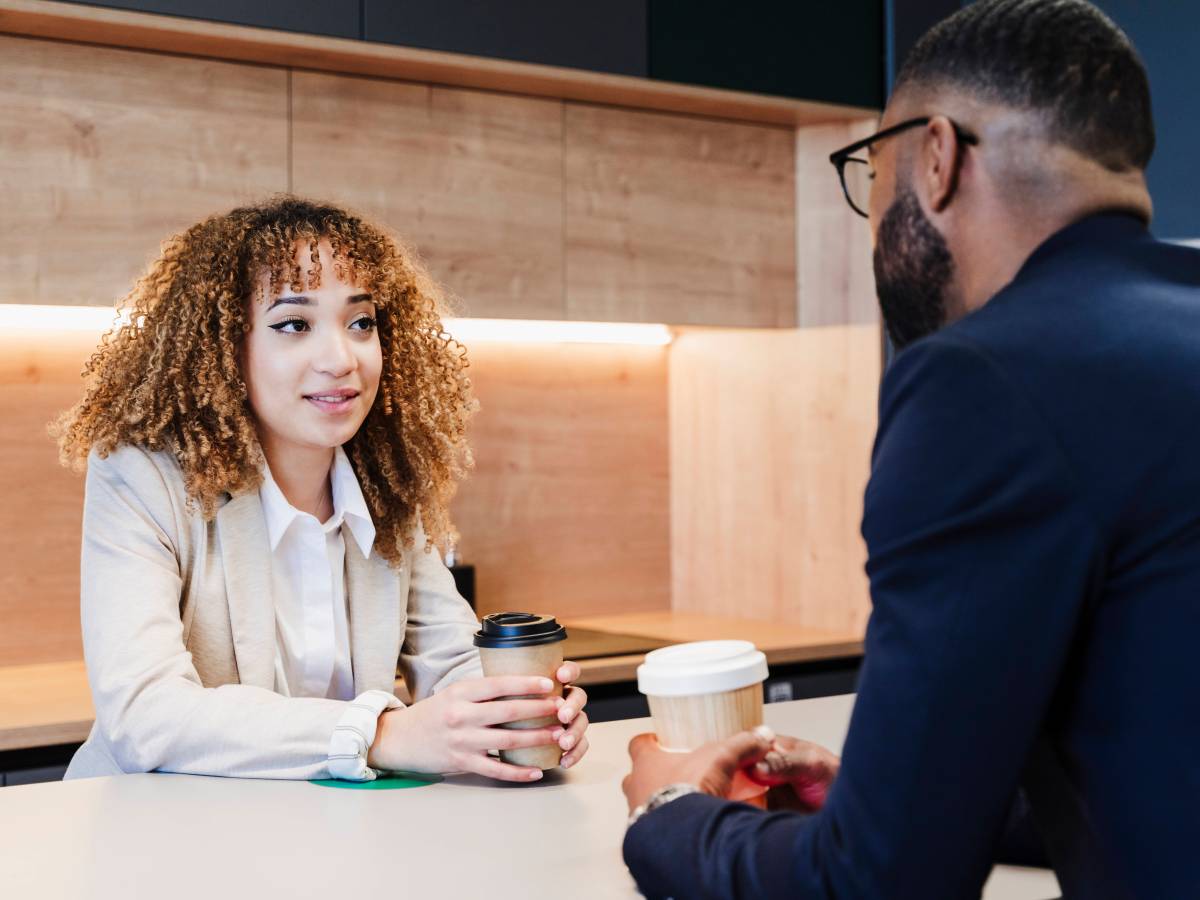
439 646
982 553
151 707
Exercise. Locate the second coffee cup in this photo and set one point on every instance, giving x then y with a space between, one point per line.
517 643
703 691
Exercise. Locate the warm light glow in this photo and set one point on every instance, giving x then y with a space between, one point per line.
529 331
20 316
16 316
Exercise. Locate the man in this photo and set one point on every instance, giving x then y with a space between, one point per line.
1033 513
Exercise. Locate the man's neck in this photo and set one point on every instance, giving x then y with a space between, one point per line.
991 257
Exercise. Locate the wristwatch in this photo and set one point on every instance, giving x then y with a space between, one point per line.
661 797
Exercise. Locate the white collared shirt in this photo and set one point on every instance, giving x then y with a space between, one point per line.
308 583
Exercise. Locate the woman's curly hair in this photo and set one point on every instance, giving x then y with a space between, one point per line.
168 378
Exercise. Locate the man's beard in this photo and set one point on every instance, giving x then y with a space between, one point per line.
913 271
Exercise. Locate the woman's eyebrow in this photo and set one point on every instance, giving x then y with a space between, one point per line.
307 301
299 301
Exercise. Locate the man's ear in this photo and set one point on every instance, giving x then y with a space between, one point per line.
938 162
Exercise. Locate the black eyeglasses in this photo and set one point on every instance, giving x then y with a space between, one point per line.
855 173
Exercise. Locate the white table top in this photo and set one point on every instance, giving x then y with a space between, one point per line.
192 837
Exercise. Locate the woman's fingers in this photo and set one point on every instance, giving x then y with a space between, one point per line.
573 733
478 690
572 704
501 771
481 740
500 712
576 754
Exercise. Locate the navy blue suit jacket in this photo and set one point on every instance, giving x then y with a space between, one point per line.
1033 528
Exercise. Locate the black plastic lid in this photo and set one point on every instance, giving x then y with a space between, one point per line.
518 629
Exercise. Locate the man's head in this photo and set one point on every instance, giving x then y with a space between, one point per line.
1038 114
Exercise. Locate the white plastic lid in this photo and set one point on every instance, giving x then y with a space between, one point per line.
701 667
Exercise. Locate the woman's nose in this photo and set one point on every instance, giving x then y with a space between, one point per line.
336 356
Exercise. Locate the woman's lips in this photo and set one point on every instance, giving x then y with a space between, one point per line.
333 402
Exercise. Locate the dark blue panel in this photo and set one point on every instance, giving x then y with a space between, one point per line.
602 37
335 18
1167 34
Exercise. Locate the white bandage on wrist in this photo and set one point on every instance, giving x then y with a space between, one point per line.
354 733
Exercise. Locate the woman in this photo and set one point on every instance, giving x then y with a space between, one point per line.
271 443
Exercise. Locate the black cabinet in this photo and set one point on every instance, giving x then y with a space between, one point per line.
791 48
600 37
810 51
333 18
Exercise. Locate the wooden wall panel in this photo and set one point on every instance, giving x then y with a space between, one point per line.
103 153
834 280
43 502
770 447
567 510
681 220
472 180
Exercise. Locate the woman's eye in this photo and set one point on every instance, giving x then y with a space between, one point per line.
363 323
291 326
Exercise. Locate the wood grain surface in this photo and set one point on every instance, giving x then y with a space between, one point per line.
472 181
676 219
568 509
770 445
105 153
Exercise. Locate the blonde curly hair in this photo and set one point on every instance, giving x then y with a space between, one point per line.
169 378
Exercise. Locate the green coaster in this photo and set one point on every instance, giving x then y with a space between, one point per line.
392 782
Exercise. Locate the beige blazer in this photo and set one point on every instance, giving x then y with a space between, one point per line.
179 632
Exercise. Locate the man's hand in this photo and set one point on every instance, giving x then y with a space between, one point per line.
798 772
711 768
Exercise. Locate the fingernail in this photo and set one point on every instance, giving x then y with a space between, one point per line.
564 716
546 684
567 742
765 732
557 733
535 775
558 702
567 762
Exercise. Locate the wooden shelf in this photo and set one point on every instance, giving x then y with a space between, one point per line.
783 644
49 703
148 31
44 704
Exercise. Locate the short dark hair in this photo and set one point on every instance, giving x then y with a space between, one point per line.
1064 58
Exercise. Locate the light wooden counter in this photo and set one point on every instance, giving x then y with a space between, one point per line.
49 703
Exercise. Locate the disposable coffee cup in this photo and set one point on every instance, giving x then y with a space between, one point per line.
703 691
517 643
706 691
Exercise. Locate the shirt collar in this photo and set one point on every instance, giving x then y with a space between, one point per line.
349 505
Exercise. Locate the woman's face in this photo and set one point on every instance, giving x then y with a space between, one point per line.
311 361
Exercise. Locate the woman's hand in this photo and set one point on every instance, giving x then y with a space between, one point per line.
452 731
571 737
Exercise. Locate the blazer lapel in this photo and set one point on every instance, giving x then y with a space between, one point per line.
373 603
246 558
